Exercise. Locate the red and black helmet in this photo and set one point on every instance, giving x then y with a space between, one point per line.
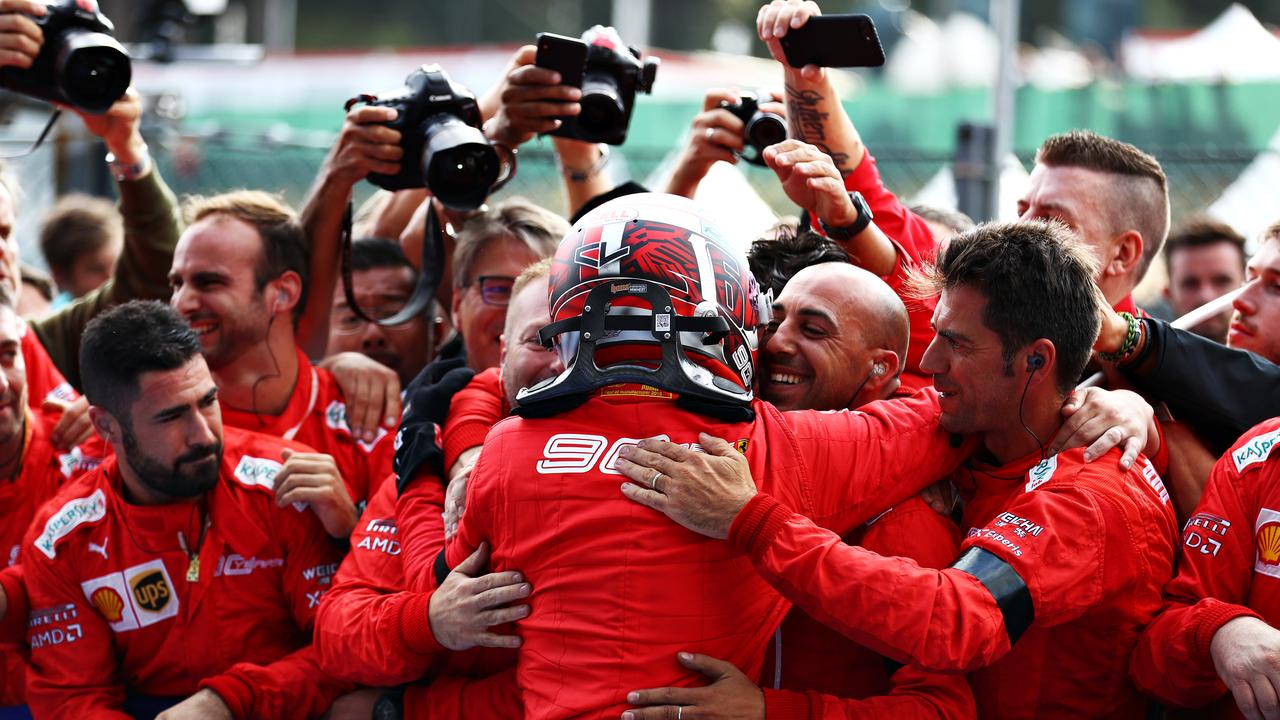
646 289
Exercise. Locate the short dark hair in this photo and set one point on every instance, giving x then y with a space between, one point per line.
954 219
1140 203
78 225
1202 231
371 253
1038 282
775 260
284 242
126 341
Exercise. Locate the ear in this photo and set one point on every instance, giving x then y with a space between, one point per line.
106 425
1126 254
1042 358
285 292
883 384
502 349
455 304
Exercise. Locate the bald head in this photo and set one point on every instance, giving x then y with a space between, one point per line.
839 339
878 310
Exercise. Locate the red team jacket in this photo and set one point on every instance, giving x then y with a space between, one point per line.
317 416
474 411
116 610
617 588
826 675
44 470
1093 544
372 631
1229 568
44 380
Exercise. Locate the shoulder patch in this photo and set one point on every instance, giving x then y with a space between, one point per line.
258 472
335 416
1042 473
70 516
1255 451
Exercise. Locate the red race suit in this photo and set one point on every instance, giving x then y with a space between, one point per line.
119 607
1062 565
824 675
44 380
317 416
371 630
618 589
1229 568
44 470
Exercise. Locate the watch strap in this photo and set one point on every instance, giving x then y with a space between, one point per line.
848 232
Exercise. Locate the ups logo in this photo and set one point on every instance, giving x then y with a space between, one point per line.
151 591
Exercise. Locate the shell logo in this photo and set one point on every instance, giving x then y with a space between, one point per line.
109 603
1269 543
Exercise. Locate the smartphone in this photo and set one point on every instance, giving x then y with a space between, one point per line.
565 55
834 41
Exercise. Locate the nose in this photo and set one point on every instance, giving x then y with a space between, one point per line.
932 363
781 341
1246 303
183 299
374 337
200 432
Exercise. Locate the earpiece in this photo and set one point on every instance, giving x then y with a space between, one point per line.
878 369
281 298
1035 361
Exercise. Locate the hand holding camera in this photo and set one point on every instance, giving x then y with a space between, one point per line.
365 145
609 74
731 125
20 36
532 100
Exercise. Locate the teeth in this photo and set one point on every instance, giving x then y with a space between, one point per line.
785 379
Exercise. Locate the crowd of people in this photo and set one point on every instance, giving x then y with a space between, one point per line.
623 464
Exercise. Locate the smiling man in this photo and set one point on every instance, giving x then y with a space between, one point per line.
837 340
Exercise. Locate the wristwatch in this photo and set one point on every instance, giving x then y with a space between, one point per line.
391 705
849 231
129 171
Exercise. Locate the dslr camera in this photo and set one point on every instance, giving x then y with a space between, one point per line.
760 129
444 148
609 74
80 63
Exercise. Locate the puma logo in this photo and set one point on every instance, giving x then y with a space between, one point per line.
100 549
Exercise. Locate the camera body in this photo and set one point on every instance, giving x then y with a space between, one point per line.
80 64
760 129
611 75
444 148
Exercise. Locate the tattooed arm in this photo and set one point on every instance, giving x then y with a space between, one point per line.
814 111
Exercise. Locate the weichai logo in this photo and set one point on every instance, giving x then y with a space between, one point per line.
150 590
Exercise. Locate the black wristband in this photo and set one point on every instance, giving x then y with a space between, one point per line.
850 231
391 705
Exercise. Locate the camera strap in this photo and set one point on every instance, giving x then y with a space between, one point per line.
429 272
53 120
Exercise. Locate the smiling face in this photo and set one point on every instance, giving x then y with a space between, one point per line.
815 355
524 361
214 287
478 318
979 393
1255 324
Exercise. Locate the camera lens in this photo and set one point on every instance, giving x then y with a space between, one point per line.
602 113
765 129
458 163
92 70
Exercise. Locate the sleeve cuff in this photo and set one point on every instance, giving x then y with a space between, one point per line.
787 705
459 439
415 625
234 692
757 524
1216 614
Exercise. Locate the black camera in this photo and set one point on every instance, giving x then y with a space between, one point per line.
444 148
761 129
609 73
80 64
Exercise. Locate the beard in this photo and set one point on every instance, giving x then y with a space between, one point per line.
187 478
237 334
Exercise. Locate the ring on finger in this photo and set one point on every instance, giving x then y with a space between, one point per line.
710 133
679 712
653 481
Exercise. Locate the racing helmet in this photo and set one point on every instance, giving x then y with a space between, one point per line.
646 289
